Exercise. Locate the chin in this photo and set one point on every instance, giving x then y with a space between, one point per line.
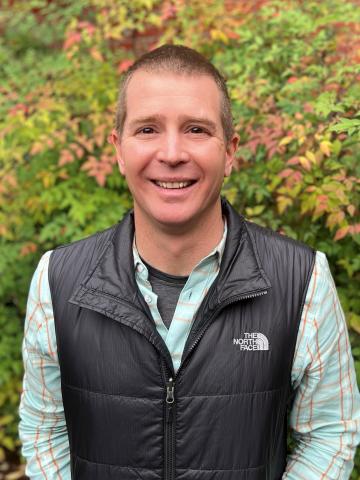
173 220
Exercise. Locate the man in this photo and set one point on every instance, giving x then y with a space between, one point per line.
173 345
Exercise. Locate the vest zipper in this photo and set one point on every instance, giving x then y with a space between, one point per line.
169 467
169 431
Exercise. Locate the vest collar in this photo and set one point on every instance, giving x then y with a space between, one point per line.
240 274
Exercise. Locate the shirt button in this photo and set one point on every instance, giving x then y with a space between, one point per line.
147 299
140 268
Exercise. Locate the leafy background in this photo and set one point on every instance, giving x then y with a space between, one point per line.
293 72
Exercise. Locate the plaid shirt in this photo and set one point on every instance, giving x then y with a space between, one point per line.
189 301
325 418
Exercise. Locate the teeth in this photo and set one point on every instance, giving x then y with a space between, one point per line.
172 184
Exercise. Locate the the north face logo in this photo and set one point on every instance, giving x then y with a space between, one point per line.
252 341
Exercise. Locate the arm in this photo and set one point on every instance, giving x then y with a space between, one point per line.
42 427
325 418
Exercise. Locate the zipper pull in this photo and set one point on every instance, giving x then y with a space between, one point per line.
170 391
169 400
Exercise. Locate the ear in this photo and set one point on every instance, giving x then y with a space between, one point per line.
115 140
230 154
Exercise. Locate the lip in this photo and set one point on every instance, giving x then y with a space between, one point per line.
173 180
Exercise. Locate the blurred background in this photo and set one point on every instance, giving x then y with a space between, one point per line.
292 68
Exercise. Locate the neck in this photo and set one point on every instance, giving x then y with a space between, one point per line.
175 250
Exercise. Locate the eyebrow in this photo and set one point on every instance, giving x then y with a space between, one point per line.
186 119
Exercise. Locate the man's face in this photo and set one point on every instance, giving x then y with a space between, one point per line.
172 149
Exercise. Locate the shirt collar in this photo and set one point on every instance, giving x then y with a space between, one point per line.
216 254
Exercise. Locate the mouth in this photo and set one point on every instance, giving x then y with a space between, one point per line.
174 185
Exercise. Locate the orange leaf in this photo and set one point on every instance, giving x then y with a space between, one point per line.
72 39
100 178
96 55
286 173
351 210
3 230
233 35
28 248
37 147
355 229
168 11
65 157
341 233
292 80
305 163
293 161
323 199
325 148
10 180
124 65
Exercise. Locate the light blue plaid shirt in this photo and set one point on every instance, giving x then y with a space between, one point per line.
325 417
191 296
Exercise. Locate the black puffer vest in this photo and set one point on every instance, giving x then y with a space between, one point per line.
223 416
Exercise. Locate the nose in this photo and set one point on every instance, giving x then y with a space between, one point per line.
172 151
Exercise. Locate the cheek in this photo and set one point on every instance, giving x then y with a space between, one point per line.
215 165
134 160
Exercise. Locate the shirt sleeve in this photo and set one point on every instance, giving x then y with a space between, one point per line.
325 417
42 427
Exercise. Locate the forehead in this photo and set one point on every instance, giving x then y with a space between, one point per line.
148 93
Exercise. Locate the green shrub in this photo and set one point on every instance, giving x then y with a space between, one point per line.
292 69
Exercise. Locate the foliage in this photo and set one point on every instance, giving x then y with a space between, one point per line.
293 72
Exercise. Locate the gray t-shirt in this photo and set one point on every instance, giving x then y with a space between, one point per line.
167 288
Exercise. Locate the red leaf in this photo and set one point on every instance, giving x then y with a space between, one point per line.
297 176
19 107
65 157
168 11
293 161
308 108
292 79
286 173
100 178
72 39
124 65
322 198
341 233
96 55
28 248
233 35
355 229
89 27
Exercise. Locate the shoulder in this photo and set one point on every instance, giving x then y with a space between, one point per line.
96 238
286 261
39 279
75 259
83 248
322 294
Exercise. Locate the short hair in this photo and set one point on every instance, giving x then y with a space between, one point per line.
183 61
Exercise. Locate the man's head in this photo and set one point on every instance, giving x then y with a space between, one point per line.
178 60
170 139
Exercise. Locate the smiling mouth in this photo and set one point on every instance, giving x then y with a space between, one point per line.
174 185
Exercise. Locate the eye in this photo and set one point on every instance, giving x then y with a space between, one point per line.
198 130
146 130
